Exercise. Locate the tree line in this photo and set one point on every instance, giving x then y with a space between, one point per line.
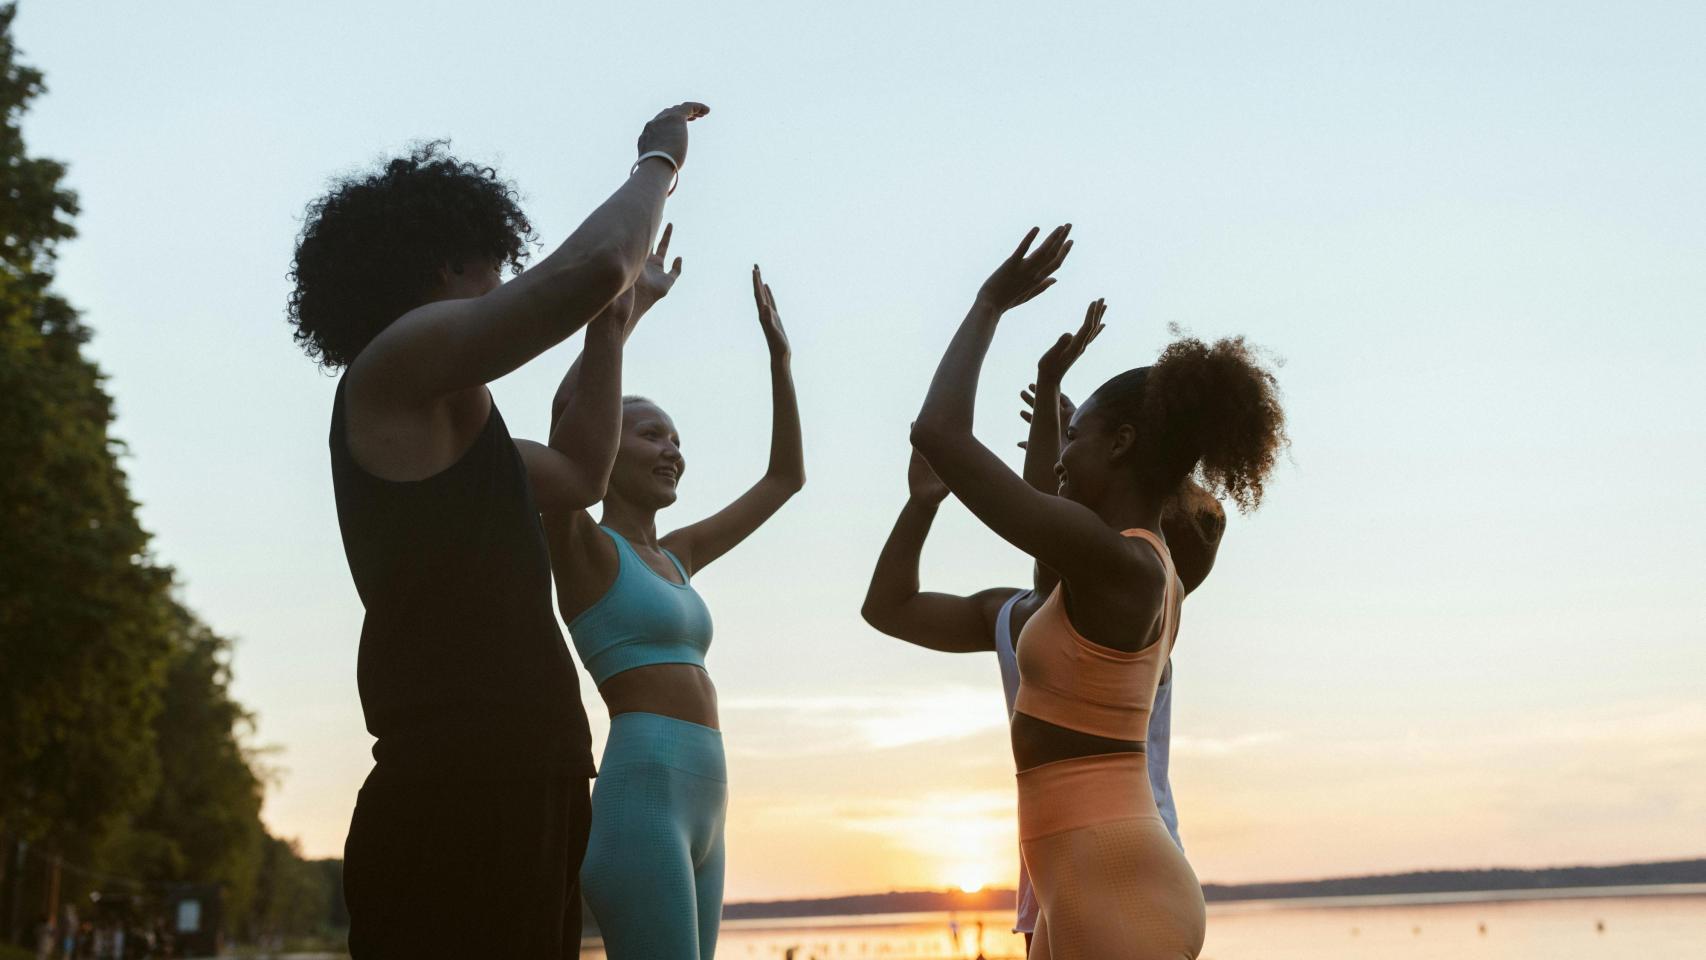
125 763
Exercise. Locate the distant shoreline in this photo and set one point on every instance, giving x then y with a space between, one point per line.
1417 887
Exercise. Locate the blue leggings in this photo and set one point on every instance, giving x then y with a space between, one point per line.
653 873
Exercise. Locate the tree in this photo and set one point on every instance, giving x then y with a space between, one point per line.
296 897
202 822
83 608
122 751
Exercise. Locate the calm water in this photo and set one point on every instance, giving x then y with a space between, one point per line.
1656 923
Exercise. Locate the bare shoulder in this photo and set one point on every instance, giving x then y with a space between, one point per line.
1121 607
400 440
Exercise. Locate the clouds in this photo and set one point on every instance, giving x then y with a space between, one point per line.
878 720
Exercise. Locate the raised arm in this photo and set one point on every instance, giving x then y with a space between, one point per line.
449 345
1063 535
1042 447
893 602
573 471
697 545
653 285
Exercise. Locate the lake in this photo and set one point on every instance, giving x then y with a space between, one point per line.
1625 923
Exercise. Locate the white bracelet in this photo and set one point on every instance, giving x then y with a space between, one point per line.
676 179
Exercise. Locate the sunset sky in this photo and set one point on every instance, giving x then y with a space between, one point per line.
1464 631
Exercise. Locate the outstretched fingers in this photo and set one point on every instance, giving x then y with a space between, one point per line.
766 300
1025 244
1090 329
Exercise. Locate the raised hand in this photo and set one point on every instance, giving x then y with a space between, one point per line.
1021 277
1060 357
667 132
922 482
655 282
1066 406
769 318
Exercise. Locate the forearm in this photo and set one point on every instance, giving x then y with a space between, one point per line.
570 382
787 452
1042 452
895 580
453 344
1042 447
952 399
619 231
589 429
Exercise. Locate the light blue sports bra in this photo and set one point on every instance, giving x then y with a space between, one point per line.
642 619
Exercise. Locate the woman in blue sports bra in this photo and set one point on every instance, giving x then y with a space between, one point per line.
653 873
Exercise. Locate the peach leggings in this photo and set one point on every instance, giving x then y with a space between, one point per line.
1111 882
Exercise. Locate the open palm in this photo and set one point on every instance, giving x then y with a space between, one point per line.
769 318
1021 277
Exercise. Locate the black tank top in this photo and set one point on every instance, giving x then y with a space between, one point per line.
462 664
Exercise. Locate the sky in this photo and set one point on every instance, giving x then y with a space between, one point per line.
1465 628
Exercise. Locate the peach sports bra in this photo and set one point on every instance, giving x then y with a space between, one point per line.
1071 682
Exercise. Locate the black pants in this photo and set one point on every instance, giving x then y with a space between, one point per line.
461 867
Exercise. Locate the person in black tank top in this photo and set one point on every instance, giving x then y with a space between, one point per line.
467 837
461 661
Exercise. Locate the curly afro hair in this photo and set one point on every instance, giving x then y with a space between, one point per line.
373 247
1203 412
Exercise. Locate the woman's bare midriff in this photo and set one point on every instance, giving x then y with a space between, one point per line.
1036 742
680 690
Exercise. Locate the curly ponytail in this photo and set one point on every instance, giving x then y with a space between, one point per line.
1208 412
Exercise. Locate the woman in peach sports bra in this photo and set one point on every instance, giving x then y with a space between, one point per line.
1111 883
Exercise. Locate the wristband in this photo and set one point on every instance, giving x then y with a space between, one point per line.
676 179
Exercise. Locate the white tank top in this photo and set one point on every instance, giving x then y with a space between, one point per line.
1155 749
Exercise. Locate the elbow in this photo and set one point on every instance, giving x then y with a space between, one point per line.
942 446
581 499
928 437
606 273
784 482
873 614
596 492
566 499
595 277
588 491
